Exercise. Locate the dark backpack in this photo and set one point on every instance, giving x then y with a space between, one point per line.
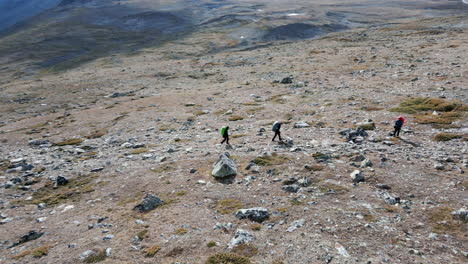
276 127
399 123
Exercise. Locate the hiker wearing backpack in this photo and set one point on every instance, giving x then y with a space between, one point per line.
225 134
398 124
276 128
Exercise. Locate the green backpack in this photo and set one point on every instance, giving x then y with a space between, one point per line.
223 130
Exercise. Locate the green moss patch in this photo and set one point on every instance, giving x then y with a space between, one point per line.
228 258
270 160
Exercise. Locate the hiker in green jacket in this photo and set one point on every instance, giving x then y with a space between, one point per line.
225 134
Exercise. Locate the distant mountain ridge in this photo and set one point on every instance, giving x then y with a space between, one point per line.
16 11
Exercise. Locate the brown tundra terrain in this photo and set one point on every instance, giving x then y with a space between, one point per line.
117 158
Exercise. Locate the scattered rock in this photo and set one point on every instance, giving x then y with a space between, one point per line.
61 181
32 235
461 214
291 188
357 176
149 203
390 199
257 214
287 80
295 225
224 167
87 254
240 237
366 163
301 124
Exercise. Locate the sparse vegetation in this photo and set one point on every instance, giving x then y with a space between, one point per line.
228 206
36 253
95 258
270 160
211 244
96 134
181 231
315 167
73 141
73 190
255 227
235 118
151 251
139 151
227 258
328 187
413 106
142 234
245 249
441 220
446 137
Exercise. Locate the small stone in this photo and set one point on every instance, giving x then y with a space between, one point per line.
108 252
291 188
108 237
366 163
193 171
149 203
295 225
61 181
257 214
86 254
240 237
357 176
461 214
41 219
301 124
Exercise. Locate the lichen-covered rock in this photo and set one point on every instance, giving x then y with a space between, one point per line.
149 203
357 176
240 237
224 167
257 214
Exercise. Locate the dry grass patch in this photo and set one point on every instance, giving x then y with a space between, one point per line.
211 244
151 251
441 220
268 160
73 190
96 134
36 253
98 257
139 151
329 187
372 108
235 118
228 206
416 105
245 249
227 258
255 227
73 141
446 137
142 234
181 231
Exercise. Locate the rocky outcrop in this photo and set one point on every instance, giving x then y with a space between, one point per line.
224 167
257 214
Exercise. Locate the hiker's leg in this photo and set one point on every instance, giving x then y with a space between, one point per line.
279 136
223 140
274 136
398 132
394 132
227 140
